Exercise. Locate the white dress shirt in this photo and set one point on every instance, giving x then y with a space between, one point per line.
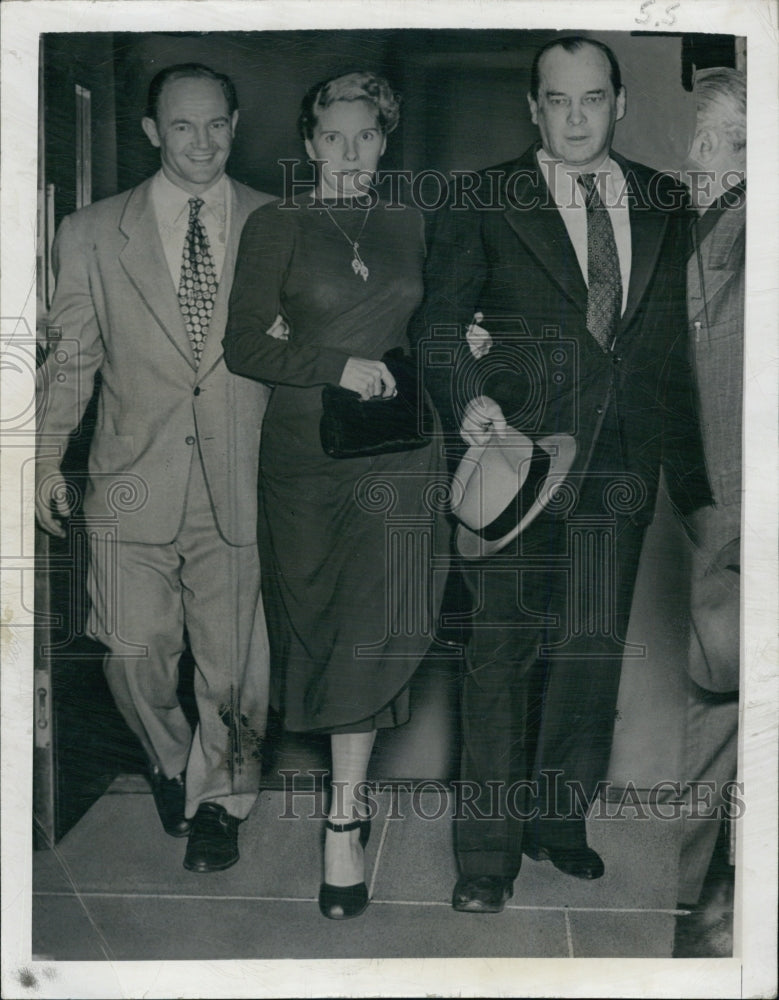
171 206
561 179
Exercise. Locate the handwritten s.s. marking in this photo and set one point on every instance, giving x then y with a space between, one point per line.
644 5
668 10
650 3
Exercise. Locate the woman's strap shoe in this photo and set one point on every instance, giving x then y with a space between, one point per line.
363 824
342 902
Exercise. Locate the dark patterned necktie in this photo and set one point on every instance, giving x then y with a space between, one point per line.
198 283
604 298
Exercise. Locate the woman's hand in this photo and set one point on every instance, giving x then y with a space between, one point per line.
368 378
479 339
482 416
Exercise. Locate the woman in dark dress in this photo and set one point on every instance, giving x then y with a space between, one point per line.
349 616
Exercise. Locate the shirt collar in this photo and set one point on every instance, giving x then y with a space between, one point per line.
171 201
561 178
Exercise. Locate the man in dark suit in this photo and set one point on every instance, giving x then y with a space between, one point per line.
143 282
566 270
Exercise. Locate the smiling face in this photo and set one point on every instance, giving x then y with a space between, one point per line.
576 109
193 132
348 140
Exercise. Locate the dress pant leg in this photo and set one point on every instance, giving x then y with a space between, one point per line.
582 675
710 757
510 594
137 613
227 634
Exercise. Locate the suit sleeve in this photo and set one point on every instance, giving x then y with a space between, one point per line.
65 381
455 273
265 256
683 454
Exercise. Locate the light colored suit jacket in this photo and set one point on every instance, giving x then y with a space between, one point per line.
116 311
717 333
716 275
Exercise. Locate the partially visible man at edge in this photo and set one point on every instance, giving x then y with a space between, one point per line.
716 172
580 240
143 281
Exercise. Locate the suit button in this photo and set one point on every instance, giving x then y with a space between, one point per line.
197 390
599 409
189 439
617 359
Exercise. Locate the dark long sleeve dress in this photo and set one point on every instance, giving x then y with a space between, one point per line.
345 544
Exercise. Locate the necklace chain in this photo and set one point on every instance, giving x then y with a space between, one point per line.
358 264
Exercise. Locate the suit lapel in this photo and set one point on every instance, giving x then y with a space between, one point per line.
240 207
647 229
716 253
536 220
144 262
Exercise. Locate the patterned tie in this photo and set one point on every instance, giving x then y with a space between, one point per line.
604 299
198 283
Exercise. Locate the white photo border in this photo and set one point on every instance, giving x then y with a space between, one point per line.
752 974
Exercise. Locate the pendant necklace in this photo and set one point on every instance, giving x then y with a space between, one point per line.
358 264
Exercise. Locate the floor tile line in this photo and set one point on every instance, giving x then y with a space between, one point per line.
375 872
311 899
80 896
569 934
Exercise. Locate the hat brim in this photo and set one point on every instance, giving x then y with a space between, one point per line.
561 449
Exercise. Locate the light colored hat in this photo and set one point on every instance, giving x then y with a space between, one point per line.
500 487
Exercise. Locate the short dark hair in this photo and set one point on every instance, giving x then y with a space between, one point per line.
183 71
360 86
573 43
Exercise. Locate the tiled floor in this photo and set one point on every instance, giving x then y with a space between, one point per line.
114 888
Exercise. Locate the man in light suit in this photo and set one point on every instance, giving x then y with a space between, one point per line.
580 255
143 280
716 169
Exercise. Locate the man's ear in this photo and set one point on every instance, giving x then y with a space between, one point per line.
622 103
533 105
149 126
706 144
234 120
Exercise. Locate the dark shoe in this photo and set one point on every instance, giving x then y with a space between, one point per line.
342 902
213 842
169 798
482 893
581 862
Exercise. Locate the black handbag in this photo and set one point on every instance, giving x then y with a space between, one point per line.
354 428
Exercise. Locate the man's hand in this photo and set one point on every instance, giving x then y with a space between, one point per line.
482 417
279 329
479 339
369 378
51 494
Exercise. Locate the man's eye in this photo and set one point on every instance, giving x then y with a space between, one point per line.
368 136
594 98
330 138
557 101
218 125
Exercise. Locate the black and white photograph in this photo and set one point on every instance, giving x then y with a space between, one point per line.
389 478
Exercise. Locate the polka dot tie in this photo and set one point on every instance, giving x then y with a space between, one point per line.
198 282
604 297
